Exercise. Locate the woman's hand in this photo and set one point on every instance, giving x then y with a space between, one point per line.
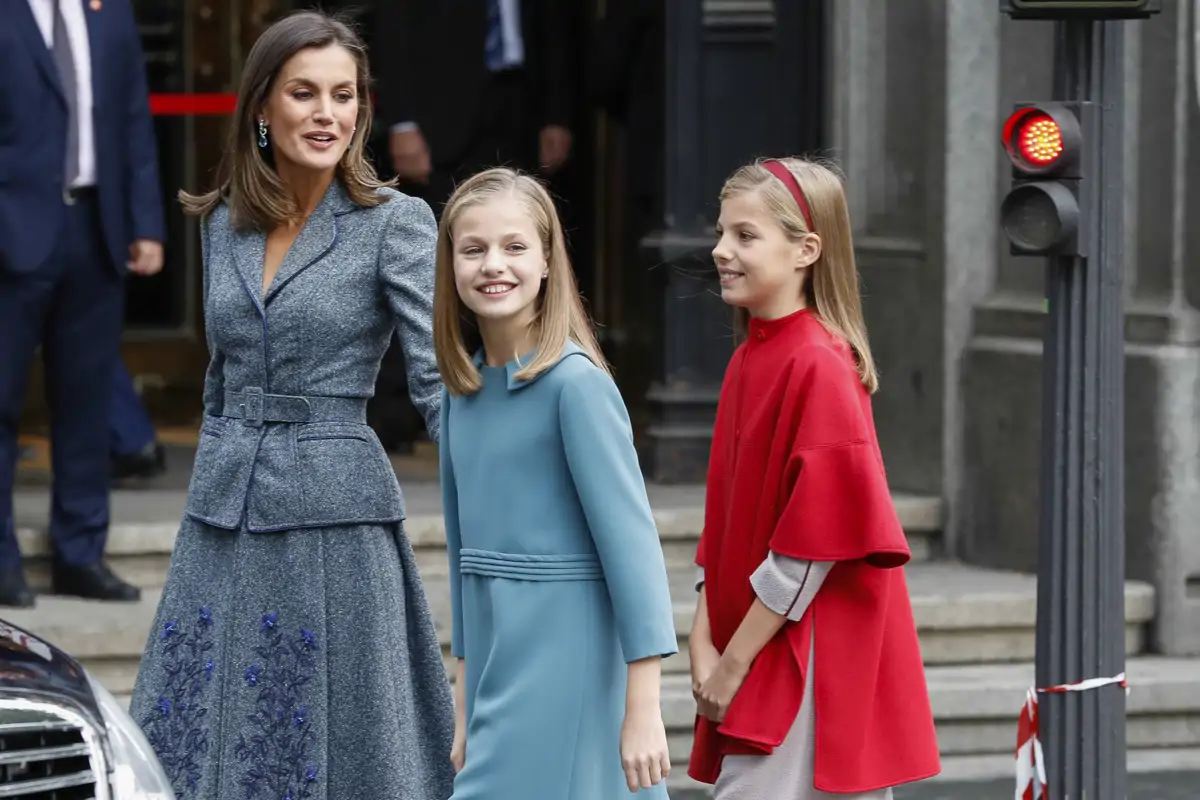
643 735
719 689
704 657
644 754
458 753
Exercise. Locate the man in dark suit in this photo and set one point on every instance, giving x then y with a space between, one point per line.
135 449
469 85
463 86
79 207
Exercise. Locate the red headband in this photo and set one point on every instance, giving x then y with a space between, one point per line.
784 174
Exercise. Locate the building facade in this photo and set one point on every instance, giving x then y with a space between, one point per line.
914 97
908 96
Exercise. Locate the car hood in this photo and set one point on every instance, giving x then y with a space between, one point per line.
31 665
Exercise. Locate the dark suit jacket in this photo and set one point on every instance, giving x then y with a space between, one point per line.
33 136
429 64
626 75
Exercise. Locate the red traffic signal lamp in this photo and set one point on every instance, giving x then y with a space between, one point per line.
1045 143
1080 9
1044 140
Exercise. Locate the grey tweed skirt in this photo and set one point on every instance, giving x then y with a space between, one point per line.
301 665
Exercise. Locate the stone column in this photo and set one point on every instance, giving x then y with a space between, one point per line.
888 129
1163 328
970 235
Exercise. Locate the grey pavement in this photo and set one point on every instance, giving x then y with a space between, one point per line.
1151 786
1142 786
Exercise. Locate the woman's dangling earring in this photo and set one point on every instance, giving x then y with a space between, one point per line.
262 133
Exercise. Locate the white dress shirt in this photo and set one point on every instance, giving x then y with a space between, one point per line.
510 34
73 11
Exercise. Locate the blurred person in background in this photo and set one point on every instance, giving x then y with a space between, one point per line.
136 451
464 86
80 208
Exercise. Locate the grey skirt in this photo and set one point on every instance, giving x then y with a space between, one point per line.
301 665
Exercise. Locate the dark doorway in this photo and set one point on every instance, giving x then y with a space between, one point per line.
160 302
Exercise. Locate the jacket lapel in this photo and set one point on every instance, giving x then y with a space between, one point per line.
316 238
249 252
31 34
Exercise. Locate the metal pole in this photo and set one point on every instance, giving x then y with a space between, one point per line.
1081 569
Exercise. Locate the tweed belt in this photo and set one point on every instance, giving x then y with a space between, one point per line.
522 567
254 407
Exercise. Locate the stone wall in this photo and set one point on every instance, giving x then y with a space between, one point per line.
996 506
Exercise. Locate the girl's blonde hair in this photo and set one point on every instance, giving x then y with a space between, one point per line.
560 315
832 286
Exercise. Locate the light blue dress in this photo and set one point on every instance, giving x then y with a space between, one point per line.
557 580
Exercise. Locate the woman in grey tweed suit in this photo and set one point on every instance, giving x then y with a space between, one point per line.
293 655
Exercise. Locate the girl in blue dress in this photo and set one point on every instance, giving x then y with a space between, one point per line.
562 612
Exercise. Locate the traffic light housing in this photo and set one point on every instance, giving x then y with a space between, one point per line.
1047 145
1080 9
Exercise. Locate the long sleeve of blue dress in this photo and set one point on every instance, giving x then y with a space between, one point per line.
598 441
453 533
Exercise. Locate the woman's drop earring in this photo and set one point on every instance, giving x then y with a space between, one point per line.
262 133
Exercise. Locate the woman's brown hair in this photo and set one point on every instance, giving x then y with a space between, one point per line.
560 315
246 177
832 286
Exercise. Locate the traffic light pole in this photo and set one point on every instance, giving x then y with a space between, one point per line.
1081 565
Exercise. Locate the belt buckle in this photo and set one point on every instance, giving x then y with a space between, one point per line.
251 406
68 195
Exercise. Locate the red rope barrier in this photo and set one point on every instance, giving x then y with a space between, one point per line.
192 104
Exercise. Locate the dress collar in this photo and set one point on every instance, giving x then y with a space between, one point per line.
762 329
517 364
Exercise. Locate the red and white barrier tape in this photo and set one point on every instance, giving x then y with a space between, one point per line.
1031 765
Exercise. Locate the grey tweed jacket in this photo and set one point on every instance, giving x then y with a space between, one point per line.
284 443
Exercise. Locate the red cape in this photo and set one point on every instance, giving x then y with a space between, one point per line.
796 468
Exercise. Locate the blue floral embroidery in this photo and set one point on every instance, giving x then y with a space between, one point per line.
277 751
177 727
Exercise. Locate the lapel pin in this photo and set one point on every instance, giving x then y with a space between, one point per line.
95 5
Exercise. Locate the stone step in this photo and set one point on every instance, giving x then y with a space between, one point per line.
995 769
964 615
975 705
145 524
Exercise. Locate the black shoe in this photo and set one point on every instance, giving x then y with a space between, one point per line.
14 590
94 581
149 462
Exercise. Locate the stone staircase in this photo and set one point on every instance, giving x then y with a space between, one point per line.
976 627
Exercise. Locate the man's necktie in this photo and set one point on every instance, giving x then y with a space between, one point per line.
65 60
494 43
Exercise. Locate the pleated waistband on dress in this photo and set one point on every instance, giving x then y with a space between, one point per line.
523 567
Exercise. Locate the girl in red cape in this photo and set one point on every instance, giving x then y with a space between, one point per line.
806 668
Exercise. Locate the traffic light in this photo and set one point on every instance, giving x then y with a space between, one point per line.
1080 9
1047 144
